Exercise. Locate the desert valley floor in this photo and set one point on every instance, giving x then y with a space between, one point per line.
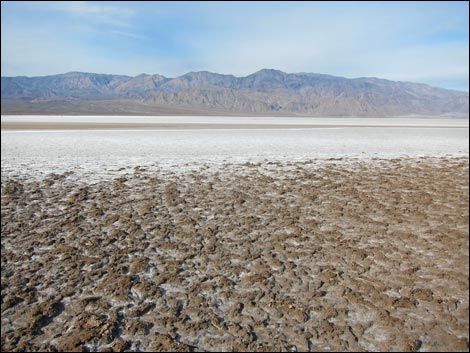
186 234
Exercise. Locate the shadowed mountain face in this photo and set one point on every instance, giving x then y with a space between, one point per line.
264 92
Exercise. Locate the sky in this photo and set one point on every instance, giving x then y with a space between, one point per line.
425 42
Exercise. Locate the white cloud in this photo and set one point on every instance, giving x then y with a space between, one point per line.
97 13
431 63
24 54
126 34
105 14
365 43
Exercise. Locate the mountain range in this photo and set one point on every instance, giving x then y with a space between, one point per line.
266 92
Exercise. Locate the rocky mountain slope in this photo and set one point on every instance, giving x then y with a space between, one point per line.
264 92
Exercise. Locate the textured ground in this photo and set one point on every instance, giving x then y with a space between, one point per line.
334 255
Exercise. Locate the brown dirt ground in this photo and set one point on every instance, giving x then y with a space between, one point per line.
340 256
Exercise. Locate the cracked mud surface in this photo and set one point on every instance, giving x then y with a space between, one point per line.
341 255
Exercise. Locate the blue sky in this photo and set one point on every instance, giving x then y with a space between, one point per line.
409 41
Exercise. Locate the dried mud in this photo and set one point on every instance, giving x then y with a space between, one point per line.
342 256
